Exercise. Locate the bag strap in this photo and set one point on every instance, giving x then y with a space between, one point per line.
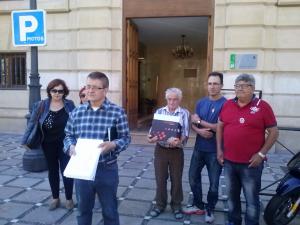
40 110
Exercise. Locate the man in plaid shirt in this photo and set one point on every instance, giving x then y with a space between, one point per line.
98 119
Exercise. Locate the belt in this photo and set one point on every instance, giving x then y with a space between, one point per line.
170 148
108 162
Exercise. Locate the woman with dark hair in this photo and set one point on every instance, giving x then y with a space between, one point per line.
82 95
52 121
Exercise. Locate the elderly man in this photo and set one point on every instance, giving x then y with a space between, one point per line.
242 147
169 157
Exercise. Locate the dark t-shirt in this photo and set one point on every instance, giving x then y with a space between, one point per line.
54 125
208 110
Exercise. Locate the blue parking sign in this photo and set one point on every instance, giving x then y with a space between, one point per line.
29 27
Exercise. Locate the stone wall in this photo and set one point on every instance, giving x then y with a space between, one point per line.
270 29
86 35
82 36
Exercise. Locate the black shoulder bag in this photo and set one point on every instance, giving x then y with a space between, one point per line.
35 138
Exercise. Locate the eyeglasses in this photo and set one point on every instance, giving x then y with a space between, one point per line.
82 96
54 91
88 87
242 86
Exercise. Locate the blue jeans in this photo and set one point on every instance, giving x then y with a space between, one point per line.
238 176
198 161
105 185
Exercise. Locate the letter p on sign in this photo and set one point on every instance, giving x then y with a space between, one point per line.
24 20
29 28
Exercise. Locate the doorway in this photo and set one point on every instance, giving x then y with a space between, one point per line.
151 67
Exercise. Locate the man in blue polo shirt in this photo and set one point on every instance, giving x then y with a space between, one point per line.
204 123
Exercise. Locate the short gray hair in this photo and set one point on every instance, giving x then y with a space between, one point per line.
174 90
249 78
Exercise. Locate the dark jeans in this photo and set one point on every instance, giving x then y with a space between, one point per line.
57 159
238 176
198 161
105 185
168 161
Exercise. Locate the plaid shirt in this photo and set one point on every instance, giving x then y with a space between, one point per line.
84 122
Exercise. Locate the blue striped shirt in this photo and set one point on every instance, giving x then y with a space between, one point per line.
184 121
84 122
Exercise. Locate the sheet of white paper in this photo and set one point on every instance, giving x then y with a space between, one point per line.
84 164
166 117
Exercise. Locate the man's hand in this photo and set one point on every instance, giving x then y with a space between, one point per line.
152 139
173 142
72 150
205 133
107 146
220 157
255 160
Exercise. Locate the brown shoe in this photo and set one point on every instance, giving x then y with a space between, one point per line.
54 204
69 204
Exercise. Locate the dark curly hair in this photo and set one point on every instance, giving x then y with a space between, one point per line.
55 83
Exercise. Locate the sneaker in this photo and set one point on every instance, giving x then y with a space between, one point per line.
192 209
209 216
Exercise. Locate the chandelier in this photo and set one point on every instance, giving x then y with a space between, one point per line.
183 51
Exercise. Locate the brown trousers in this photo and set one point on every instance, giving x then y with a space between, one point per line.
168 161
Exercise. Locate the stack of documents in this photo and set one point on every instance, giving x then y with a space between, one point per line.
84 164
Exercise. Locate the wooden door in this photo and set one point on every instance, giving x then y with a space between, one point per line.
132 73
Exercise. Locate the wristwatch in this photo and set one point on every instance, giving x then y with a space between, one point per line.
263 156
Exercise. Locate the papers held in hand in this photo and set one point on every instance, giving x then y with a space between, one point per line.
165 126
84 164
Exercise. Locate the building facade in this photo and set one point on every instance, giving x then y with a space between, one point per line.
114 36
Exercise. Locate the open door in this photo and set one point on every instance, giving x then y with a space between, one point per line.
132 73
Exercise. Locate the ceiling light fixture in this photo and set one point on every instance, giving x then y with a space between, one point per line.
183 51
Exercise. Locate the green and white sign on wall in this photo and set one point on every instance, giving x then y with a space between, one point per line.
243 61
232 61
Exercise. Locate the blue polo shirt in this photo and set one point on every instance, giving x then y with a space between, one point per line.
208 110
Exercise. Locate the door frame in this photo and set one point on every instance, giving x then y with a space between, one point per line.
167 8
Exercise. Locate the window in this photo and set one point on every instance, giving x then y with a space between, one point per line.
13 70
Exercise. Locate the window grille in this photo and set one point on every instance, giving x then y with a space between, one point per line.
13 70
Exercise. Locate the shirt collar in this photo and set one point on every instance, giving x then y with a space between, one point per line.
105 105
253 100
176 111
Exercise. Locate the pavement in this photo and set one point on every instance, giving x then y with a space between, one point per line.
25 196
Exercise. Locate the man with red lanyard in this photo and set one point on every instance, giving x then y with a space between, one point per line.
242 147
